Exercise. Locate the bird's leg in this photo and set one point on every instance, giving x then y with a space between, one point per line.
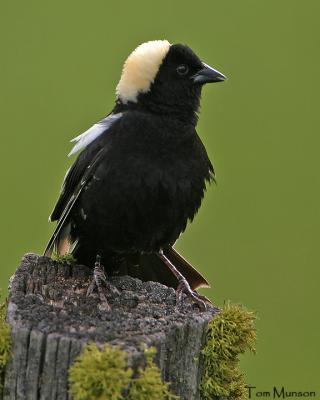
100 282
183 286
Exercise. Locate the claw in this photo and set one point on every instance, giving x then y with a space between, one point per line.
204 298
100 282
184 287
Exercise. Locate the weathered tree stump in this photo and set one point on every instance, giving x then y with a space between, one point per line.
52 320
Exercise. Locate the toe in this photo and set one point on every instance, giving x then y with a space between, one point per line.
196 298
104 306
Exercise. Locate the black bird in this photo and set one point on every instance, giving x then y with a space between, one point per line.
141 174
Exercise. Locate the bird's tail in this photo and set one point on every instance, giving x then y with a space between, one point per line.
147 266
152 268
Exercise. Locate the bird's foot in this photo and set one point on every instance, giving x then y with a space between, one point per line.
99 282
183 286
195 297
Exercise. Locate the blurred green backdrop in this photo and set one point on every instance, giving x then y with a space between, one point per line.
257 234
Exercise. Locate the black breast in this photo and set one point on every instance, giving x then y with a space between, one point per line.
148 185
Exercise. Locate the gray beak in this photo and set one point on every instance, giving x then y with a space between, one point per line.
208 74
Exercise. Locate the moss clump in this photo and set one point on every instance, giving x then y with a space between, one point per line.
5 344
104 375
149 385
229 334
65 259
99 374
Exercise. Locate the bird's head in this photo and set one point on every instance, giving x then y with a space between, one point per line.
166 77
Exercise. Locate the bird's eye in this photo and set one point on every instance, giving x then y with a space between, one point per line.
182 69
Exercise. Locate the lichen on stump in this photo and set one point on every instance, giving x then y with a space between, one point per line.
52 321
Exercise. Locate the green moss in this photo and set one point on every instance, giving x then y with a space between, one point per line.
104 375
149 385
5 344
65 259
229 334
99 374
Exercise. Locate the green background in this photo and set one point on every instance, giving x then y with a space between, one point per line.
256 236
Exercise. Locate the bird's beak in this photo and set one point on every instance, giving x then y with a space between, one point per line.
208 74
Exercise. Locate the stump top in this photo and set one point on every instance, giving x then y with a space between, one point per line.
50 297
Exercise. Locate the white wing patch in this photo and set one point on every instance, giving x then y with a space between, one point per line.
92 133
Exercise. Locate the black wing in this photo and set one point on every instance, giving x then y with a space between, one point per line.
79 174
76 179
90 146
72 179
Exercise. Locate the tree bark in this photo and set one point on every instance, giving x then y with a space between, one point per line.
52 320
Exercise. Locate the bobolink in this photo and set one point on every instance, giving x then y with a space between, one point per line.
141 173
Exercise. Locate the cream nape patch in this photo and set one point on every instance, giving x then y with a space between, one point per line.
140 69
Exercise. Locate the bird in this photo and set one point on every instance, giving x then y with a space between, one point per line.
140 175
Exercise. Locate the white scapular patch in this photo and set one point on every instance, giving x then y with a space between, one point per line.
140 69
92 133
